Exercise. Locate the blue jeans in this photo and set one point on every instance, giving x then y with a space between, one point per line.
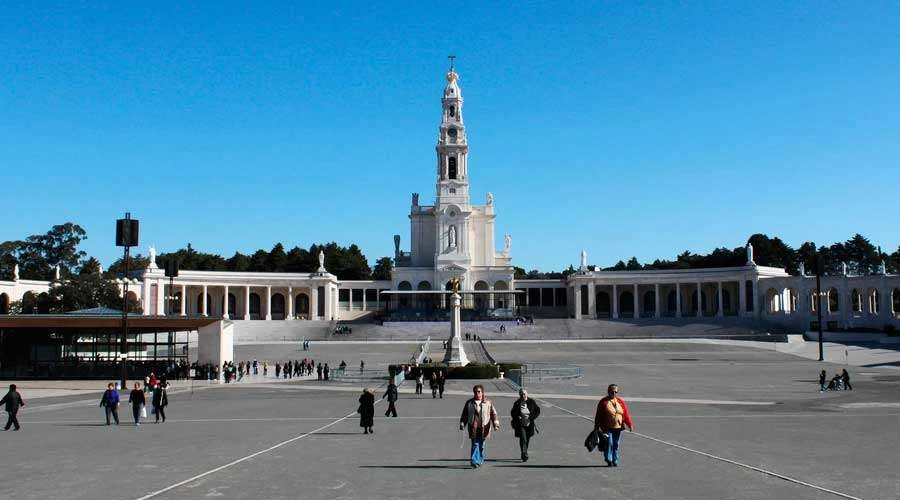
612 450
478 451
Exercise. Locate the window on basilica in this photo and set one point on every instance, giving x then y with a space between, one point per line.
451 167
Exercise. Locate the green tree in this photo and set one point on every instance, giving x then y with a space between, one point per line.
383 268
84 291
519 273
277 259
238 262
90 266
633 265
862 256
136 265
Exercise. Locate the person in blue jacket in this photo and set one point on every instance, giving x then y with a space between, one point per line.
110 403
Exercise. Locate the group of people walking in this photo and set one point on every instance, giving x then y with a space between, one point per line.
159 400
480 418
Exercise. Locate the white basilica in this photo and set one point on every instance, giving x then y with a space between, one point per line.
454 239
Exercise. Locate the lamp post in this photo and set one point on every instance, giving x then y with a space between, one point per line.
126 236
819 302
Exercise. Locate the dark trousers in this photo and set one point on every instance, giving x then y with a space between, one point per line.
13 421
391 411
160 412
136 413
114 411
523 442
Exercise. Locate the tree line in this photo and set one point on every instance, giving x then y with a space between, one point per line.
82 285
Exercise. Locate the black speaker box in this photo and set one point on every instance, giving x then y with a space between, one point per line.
127 232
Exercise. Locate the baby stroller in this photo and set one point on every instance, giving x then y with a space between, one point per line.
835 384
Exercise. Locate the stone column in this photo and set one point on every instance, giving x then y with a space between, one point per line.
247 302
329 313
699 301
364 299
268 303
637 303
145 296
225 304
577 299
184 300
313 302
742 297
592 300
289 314
657 313
721 312
755 298
615 302
203 305
677 300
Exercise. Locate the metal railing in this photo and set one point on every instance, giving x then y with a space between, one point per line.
535 373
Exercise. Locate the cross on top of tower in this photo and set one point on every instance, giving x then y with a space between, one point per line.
451 57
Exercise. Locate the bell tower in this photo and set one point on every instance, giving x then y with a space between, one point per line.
452 147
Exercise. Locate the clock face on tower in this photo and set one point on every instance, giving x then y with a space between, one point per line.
452 133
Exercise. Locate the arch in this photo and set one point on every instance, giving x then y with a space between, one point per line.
425 300
813 302
726 300
301 305
874 306
277 311
501 285
856 302
255 306
626 304
671 302
403 300
773 304
604 304
895 301
452 169
650 301
175 306
834 302
481 300
4 303
791 306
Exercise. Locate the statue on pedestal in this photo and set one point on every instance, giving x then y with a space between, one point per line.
750 261
490 199
452 236
507 242
584 264
321 262
152 263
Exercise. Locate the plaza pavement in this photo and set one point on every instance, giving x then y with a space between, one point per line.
713 420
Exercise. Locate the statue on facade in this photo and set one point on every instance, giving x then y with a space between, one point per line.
396 246
452 236
454 285
750 261
56 272
802 269
152 252
490 199
584 264
321 262
415 199
16 272
507 242
882 269
844 268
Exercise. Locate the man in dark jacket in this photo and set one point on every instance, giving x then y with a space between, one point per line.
391 395
13 401
160 401
524 412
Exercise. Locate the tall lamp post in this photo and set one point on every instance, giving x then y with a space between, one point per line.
819 302
126 236
172 273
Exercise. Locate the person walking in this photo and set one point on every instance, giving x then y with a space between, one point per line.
367 411
391 395
137 400
160 401
110 403
610 419
13 401
845 380
440 381
522 416
432 384
420 382
823 377
479 417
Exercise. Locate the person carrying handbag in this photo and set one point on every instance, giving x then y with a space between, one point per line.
611 417
138 402
160 401
523 415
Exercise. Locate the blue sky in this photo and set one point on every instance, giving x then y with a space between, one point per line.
623 128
